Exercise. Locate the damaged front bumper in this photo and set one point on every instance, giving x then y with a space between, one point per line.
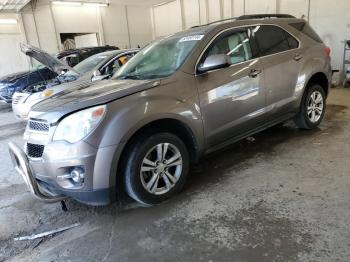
21 164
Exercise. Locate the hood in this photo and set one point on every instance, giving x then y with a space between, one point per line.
11 78
46 59
87 95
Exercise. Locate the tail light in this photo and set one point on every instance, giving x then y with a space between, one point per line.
328 51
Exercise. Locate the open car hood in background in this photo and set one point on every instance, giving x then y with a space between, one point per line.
46 59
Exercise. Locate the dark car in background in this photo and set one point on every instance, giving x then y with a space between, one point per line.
74 56
11 83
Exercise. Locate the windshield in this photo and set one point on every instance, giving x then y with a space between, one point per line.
88 64
162 58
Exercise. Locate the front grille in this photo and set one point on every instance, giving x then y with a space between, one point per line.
34 150
39 126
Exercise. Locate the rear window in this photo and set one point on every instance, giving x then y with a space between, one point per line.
306 29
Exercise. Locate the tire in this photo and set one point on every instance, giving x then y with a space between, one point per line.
147 177
312 108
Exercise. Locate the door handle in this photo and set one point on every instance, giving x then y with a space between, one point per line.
298 57
254 73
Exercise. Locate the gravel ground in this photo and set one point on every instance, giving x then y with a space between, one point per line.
282 196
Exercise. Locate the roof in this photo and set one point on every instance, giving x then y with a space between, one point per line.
240 21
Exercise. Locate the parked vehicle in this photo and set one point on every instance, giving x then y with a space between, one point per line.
97 67
9 84
177 99
73 57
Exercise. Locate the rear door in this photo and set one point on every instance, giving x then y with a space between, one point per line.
232 99
282 60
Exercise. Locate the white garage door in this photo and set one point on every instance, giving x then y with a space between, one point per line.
11 58
86 40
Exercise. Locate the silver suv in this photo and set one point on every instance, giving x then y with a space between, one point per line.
179 98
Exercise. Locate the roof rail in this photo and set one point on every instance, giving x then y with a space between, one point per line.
246 17
218 21
262 16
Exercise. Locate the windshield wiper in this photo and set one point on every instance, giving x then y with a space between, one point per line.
139 77
131 76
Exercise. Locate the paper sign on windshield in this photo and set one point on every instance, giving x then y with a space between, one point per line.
191 38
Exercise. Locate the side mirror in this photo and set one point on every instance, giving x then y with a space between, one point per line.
213 62
96 76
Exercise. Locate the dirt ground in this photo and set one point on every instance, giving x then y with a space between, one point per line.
282 196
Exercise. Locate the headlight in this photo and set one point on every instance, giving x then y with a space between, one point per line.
76 126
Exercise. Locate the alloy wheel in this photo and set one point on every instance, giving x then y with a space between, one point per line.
315 106
161 168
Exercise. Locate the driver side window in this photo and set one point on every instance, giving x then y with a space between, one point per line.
234 44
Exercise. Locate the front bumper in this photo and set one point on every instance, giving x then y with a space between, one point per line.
44 175
20 113
22 166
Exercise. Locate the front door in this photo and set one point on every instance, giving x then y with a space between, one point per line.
232 99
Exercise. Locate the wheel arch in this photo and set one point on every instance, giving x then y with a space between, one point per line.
170 124
321 79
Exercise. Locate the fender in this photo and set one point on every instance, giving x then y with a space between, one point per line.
313 66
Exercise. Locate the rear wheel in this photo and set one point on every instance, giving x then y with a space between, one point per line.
156 168
312 108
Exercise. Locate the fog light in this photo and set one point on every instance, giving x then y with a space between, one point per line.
72 174
77 175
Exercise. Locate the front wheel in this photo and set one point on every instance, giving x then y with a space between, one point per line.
156 168
312 108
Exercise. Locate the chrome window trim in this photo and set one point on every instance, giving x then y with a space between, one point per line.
238 27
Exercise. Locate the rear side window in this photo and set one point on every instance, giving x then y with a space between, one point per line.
307 30
293 43
270 39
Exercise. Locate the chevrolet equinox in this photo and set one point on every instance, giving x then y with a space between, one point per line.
179 98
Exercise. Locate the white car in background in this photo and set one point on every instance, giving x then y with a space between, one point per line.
95 68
